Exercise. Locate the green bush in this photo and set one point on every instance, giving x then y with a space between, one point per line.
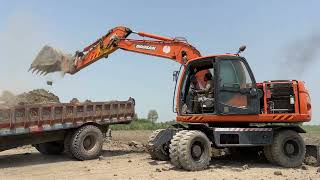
144 124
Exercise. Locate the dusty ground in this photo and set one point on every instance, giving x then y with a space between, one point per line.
121 161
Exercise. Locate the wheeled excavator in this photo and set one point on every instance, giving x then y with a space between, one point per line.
235 112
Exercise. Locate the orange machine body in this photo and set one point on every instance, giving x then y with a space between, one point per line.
302 105
181 51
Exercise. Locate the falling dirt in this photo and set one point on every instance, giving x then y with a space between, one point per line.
50 60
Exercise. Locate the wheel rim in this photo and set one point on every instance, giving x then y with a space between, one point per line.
197 150
165 148
291 148
89 142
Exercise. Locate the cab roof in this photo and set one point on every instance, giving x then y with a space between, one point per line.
213 55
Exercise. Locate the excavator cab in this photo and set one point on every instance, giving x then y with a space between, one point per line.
234 87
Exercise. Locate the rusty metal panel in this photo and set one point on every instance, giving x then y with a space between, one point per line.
5 120
47 117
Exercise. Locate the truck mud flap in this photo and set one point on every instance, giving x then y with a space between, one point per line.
230 137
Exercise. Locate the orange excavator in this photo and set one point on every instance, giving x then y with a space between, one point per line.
217 98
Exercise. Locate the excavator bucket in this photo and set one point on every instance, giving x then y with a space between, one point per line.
51 60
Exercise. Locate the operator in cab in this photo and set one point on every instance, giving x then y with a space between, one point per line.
208 88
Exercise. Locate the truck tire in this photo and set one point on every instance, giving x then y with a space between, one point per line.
174 149
67 144
288 149
50 148
161 153
194 151
86 142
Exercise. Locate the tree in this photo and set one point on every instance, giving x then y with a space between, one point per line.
135 117
153 115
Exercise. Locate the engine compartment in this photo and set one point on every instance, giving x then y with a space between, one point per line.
279 97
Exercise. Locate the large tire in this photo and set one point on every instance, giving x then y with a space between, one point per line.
268 154
67 144
50 148
161 153
174 148
288 149
194 151
86 142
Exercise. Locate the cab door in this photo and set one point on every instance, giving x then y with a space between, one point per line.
236 91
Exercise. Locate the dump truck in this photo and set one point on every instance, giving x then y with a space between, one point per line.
77 129
218 102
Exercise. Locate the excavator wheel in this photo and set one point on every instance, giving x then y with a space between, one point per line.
174 148
161 153
288 149
268 154
194 151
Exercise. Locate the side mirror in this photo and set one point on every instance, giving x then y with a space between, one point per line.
241 49
175 75
253 92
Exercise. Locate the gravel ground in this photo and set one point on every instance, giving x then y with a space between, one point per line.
122 161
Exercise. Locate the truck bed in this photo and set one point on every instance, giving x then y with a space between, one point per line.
24 119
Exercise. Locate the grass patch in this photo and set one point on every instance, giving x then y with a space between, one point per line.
142 124
314 129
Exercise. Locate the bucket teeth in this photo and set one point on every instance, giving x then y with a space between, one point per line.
51 60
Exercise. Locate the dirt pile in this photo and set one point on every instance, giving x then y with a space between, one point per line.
7 99
37 96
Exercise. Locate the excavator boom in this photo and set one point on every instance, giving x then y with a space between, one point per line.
51 60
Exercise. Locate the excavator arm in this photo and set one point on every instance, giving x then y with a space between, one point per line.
52 60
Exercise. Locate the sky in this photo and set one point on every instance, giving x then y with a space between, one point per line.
278 35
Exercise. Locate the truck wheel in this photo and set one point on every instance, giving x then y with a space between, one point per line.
161 153
67 144
194 151
288 149
50 148
86 142
174 148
